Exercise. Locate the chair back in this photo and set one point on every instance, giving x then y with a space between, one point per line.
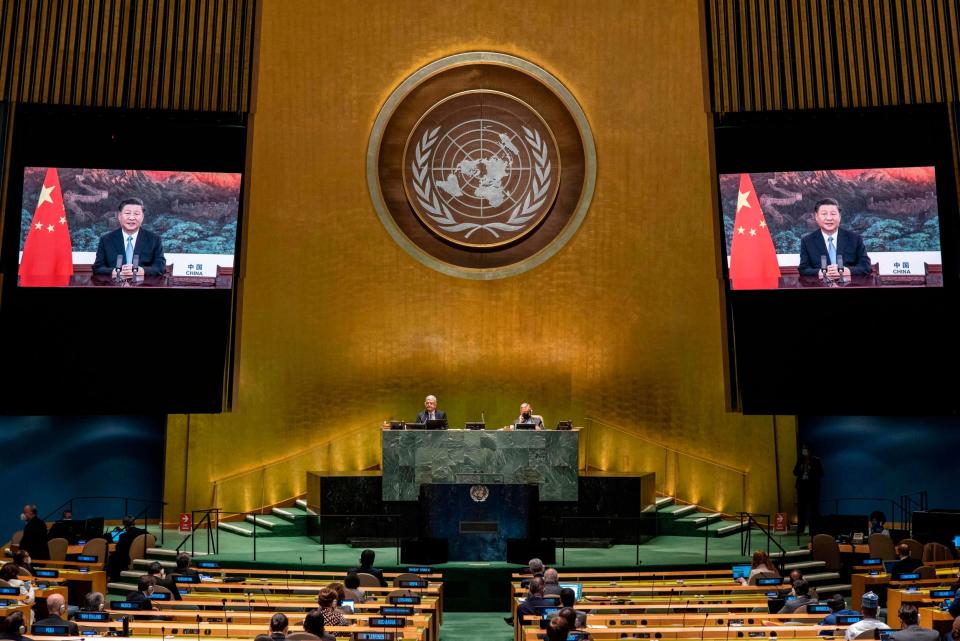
936 552
871 633
58 548
302 636
97 548
4 584
16 537
406 576
824 548
368 580
400 592
159 589
916 548
763 575
881 547
140 545
927 572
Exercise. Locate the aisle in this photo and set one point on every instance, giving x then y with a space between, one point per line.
470 626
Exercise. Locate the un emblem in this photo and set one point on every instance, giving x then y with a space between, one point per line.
479 493
481 168
481 165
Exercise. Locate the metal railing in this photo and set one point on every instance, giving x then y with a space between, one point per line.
143 514
749 519
670 463
210 519
910 503
612 520
325 520
294 466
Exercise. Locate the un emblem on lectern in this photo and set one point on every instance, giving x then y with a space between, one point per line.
481 165
481 168
479 493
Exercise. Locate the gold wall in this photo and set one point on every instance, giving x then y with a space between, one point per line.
341 329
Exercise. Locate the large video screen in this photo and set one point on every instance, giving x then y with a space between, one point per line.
874 227
128 228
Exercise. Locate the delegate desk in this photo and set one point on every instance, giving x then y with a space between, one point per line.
549 458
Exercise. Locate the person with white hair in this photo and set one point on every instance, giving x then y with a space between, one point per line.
551 582
431 413
57 615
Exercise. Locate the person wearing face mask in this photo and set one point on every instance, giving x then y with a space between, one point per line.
144 589
809 473
11 573
34 539
23 561
528 417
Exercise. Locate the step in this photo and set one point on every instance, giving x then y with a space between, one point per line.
266 521
302 504
663 501
804 565
826 591
727 528
145 563
125 588
821 576
242 529
171 553
291 514
790 554
677 511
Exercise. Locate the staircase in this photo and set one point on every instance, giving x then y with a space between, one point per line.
282 521
675 519
825 582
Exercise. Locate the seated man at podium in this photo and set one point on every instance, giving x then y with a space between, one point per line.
527 417
431 413
820 249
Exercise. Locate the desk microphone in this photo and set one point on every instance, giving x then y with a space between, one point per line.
119 266
683 618
669 600
225 619
263 591
249 609
840 266
303 575
483 419
136 264
823 265
198 627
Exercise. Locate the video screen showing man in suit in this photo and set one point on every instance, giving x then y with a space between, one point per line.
88 227
868 227
431 413
831 244
130 239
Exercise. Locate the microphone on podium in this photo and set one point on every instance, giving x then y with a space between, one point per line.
119 266
136 264
823 265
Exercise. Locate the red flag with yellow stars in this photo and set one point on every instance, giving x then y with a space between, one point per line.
753 259
48 253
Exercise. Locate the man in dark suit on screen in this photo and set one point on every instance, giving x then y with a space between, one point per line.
831 242
431 413
129 241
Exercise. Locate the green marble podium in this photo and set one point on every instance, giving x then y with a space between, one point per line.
549 458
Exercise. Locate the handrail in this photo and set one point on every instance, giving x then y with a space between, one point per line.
746 536
669 481
294 455
695 457
563 530
126 508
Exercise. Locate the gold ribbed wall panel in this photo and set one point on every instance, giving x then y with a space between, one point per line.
164 54
341 328
801 54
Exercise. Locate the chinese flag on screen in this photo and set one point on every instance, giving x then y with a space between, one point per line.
48 253
753 259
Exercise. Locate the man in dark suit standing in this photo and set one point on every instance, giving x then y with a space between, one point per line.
34 539
120 558
809 473
431 413
129 241
831 241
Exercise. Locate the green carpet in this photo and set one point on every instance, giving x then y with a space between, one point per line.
470 626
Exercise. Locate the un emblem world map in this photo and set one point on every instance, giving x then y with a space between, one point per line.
481 169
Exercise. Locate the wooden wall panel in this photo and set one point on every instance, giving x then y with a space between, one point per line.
806 54
162 54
